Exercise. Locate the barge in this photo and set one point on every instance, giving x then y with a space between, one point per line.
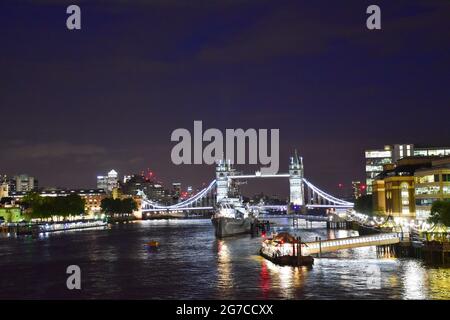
285 250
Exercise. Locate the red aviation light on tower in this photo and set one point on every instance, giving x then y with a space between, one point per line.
149 174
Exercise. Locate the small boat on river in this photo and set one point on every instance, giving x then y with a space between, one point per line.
286 250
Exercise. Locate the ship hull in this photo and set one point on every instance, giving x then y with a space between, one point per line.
225 227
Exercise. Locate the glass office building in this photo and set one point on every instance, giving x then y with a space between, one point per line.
431 184
377 158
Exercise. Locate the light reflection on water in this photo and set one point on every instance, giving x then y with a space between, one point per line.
192 264
414 279
224 272
439 283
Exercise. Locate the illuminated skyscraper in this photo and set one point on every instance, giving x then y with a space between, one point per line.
108 182
24 182
377 158
176 189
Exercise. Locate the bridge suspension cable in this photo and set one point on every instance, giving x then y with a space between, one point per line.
183 204
326 196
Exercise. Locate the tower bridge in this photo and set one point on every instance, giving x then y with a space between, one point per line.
303 194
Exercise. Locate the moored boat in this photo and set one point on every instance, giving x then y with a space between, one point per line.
285 249
232 218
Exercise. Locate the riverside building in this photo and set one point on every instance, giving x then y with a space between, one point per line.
431 184
375 159
92 197
408 188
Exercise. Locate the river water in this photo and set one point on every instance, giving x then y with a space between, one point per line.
192 264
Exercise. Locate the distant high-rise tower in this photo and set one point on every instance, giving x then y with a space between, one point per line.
358 189
25 183
108 182
176 189
297 197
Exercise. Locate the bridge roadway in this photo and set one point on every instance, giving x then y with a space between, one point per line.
177 209
313 218
309 206
381 239
267 216
280 208
299 216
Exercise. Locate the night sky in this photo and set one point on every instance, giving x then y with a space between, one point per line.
75 104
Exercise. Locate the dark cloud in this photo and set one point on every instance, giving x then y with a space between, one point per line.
55 150
77 104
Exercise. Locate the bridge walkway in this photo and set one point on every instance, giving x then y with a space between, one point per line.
324 246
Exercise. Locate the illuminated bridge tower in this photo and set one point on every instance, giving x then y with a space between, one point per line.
297 195
223 171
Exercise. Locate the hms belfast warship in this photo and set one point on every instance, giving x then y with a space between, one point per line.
231 216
